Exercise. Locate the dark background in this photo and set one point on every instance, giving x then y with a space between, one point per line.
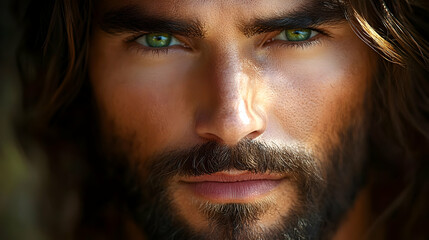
20 178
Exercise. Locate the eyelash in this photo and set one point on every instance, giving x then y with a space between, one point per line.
155 51
301 44
140 49
280 43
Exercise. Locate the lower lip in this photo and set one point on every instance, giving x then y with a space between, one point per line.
233 190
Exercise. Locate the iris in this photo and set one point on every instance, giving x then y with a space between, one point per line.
301 34
158 40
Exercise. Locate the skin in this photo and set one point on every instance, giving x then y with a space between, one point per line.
227 87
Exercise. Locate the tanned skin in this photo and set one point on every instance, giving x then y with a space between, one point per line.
231 75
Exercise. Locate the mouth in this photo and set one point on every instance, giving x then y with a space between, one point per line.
232 186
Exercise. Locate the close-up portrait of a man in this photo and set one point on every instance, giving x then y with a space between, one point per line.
215 119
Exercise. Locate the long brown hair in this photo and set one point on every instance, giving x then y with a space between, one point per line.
53 63
399 31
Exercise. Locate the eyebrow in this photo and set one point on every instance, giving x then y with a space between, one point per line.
132 19
313 14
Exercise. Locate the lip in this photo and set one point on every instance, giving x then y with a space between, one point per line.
232 186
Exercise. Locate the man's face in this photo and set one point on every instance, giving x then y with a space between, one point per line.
239 118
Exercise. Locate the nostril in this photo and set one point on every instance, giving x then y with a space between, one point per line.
211 137
227 127
254 134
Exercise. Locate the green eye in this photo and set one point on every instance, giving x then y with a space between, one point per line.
296 35
157 40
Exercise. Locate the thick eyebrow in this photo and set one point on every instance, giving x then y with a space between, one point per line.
313 14
131 19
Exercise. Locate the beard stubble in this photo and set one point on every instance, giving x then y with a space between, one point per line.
325 189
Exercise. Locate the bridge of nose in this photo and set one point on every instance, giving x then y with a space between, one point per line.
231 112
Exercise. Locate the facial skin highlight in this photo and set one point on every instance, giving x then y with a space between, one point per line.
226 86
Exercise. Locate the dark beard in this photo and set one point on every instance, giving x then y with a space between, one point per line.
325 190
152 206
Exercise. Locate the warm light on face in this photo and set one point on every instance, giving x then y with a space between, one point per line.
171 75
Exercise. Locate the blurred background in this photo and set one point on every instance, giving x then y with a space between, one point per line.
20 178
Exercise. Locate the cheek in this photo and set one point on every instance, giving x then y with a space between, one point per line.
139 103
317 93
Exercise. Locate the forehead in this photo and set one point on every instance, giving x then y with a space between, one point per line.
184 7
207 10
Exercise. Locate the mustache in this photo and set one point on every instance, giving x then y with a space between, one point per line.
148 185
247 155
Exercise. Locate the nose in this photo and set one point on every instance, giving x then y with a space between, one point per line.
230 111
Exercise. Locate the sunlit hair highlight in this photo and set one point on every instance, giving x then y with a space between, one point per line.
398 31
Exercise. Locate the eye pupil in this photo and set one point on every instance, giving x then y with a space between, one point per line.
298 34
158 40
